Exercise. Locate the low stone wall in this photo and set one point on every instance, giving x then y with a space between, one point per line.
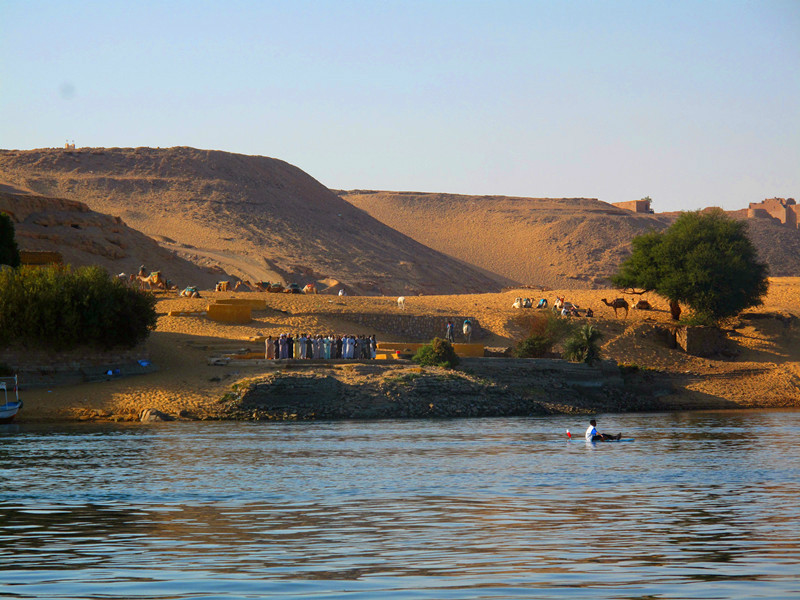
229 313
43 368
462 350
411 327
253 303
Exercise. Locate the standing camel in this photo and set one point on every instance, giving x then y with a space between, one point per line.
615 304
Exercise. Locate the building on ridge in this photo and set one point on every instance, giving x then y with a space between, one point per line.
784 210
637 206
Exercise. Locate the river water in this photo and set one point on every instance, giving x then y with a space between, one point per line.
700 505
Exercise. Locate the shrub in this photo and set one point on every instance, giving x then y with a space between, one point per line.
545 331
583 345
59 308
439 353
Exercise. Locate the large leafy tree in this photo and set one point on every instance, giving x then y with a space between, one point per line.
9 252
704 260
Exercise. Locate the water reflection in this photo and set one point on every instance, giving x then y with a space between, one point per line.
445 509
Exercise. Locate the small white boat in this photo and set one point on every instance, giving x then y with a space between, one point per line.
9 410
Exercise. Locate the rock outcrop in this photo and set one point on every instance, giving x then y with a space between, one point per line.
483 388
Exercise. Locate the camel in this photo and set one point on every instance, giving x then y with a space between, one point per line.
401 303
527 303
190 292
561 304
275 288
246 286
310 288
222 286
517 303
617 303
467 330
642 304
154 279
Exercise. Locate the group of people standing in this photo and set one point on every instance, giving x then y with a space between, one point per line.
321 347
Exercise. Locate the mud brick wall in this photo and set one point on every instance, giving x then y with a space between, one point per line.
411 328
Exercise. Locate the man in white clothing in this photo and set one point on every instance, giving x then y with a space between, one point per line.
593 436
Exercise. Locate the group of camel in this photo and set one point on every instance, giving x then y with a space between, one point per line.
156 281
264 286
572 308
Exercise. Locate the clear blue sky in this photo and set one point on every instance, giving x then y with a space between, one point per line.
691 103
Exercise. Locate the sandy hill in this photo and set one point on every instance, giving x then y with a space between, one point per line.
778 245
554 242
85 237
254 217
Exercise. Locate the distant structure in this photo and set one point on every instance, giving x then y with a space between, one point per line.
69 146
637 206
784 210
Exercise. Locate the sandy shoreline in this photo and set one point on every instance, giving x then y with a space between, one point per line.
764 373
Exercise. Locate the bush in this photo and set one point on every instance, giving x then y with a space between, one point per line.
545 331
439 353
56 307
583 345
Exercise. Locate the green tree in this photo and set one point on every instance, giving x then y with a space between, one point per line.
9 252
439 353
583 345
704 260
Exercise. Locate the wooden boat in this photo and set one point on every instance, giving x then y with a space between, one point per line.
9 410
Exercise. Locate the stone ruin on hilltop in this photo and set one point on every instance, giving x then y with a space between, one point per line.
784 210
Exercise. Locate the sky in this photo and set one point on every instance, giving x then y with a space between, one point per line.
692 103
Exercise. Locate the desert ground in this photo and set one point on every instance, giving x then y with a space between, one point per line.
765 371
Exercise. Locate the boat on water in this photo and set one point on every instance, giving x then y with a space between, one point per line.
9 410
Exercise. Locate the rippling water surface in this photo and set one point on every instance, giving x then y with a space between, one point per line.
700 505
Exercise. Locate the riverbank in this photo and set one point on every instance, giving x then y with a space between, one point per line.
761 369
